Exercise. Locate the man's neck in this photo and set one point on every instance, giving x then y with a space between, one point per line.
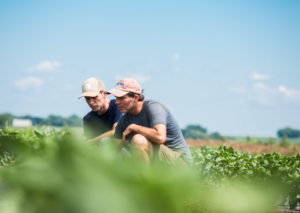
138 108
103 109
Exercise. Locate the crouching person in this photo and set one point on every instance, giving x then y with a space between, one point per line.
149 128
100 123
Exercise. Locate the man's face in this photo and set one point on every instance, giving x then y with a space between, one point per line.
96 103
125 103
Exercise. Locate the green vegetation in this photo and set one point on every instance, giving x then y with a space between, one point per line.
51 120
50 171
225 166
284 141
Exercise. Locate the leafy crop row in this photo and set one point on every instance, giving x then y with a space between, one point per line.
224 166
49 171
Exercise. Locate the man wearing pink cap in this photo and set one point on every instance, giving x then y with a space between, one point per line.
148 127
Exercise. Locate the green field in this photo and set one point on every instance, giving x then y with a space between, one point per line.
48 171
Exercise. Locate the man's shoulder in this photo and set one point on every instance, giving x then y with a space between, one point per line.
152 104
88 116
112 102
114 107
153 101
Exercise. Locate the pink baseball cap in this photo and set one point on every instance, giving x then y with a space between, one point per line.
125 86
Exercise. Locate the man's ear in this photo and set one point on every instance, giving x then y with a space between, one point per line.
136 97
105 93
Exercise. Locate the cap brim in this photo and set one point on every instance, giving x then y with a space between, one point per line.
117 93
90 94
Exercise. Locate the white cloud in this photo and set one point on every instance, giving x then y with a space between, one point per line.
176 56
29 82
262 94
265 95
140 78
262 88
259 93
290 94
256 76
174 60
44 66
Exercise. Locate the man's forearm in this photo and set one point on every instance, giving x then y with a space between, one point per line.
104 135
150 133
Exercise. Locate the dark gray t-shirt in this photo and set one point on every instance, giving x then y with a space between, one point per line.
154 112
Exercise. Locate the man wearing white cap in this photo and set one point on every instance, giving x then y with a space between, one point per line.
102 120
148 127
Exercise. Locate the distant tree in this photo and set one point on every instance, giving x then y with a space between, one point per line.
194 132
74 117
284 141
196 127
75 121
34 120
289 132
54 120
215 136
5 118
37 121
223 139
248 139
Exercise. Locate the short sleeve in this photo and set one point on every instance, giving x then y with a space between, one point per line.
118 114
157 114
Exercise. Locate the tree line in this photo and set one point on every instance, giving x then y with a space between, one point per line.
190 131
51 120
288 132
199 132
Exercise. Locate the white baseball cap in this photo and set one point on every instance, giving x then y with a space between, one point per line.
91 87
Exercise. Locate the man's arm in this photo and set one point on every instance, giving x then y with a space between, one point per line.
109 134
157 134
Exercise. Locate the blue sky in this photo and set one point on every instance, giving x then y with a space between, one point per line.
230 66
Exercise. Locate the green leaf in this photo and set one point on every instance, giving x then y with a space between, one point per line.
218 159
249 172
208 157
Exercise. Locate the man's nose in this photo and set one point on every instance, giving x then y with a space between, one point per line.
91 101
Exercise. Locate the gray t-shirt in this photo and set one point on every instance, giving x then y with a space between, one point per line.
154 112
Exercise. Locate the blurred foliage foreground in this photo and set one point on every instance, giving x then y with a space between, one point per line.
49 171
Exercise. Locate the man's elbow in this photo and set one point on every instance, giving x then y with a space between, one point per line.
161 139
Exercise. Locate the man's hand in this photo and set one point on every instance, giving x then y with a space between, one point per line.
109 134
128 134
93 140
